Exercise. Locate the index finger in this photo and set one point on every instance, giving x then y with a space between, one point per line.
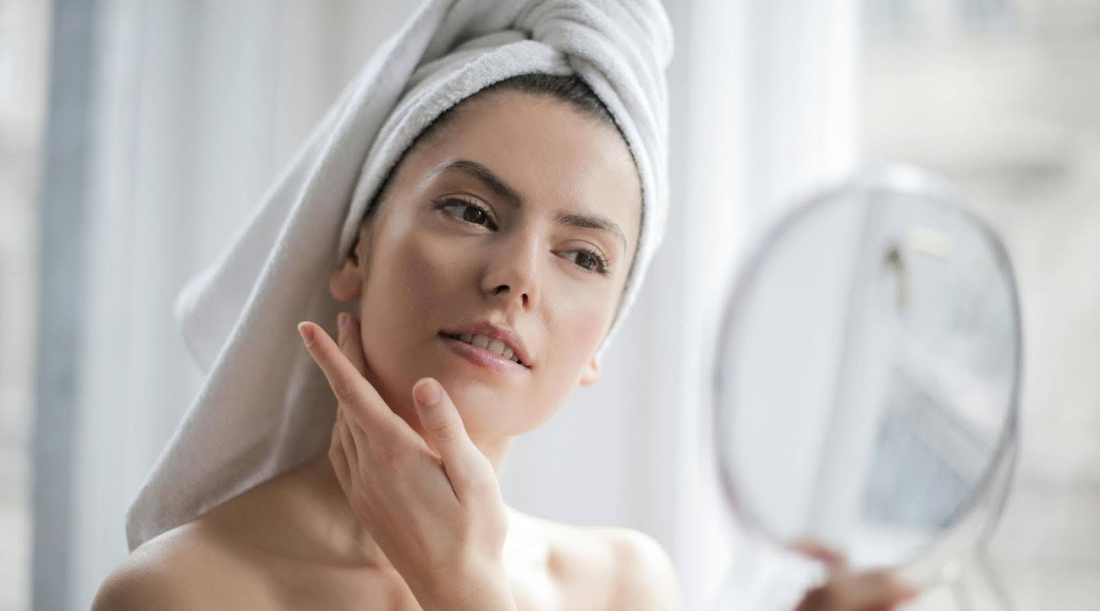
351 388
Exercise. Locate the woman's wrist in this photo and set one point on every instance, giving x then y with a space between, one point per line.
473 587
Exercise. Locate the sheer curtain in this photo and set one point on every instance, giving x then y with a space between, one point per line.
764 103
197 106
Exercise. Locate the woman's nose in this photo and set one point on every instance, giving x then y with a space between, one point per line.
512 273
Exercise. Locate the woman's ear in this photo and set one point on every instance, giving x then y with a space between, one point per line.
346 283
591 373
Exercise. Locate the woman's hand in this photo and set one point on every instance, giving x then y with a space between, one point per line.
439 518
845 591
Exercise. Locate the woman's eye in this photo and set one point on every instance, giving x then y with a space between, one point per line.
466 211
586 261
590 260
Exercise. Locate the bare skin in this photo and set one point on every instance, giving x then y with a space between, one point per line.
272 548
425 263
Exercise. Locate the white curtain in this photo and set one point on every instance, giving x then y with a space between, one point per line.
199 104
765 110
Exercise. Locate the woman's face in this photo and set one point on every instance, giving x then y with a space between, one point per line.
504 216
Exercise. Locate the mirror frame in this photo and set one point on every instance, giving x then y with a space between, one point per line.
891 178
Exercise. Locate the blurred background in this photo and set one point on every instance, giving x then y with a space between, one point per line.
136 135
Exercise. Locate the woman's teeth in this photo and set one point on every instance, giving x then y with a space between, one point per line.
492 345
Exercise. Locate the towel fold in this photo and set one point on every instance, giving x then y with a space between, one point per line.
256 415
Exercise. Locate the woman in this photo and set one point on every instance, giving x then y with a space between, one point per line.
443 250
485 276
440 253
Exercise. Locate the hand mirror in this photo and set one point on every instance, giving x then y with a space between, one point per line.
867 374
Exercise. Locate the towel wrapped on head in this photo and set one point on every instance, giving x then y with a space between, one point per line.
251 423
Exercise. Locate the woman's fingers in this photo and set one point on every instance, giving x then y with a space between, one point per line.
845 591
365 407
870 591
465 465
879 590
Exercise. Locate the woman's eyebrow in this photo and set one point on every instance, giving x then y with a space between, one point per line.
486 176
512 197
591 221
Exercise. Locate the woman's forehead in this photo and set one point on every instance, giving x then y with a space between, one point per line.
538 152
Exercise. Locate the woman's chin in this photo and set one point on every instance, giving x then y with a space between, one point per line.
466 391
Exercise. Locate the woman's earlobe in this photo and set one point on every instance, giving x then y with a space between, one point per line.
591 373
346 283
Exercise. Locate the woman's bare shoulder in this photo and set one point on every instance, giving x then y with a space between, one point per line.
183 569
645 577
622 568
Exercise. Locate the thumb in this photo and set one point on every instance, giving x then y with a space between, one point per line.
462 460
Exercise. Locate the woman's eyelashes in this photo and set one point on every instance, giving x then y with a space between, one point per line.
591 260
471 212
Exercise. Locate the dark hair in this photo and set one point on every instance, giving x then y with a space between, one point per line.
569 88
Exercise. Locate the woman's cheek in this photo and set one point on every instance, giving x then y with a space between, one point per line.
421 269
589 325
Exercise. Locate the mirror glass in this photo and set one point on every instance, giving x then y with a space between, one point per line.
867 373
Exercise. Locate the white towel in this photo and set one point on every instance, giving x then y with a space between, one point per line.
256 415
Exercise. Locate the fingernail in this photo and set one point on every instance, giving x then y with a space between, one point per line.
342 321
428 393
306 332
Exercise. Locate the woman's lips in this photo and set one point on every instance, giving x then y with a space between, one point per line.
482 357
